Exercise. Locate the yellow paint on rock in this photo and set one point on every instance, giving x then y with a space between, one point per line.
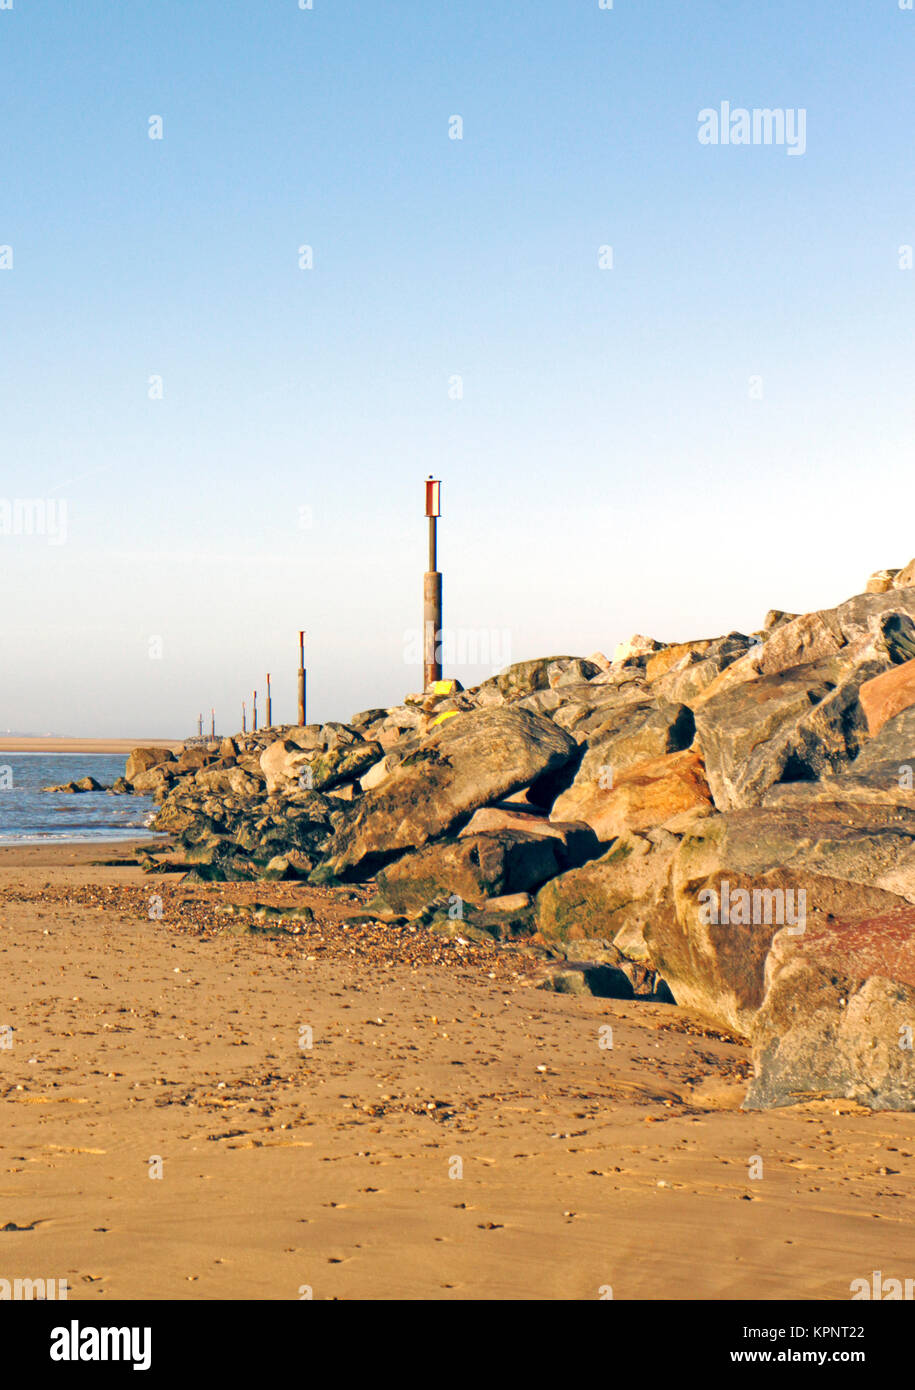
440 718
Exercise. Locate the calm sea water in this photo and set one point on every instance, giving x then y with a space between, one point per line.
29 814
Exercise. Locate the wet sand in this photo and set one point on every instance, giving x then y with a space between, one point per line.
452 1132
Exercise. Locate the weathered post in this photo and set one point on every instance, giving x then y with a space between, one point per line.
301 679
212 723
244 717
432 591
269 704
254 714
200 726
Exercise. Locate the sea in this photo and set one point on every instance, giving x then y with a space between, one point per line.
30 816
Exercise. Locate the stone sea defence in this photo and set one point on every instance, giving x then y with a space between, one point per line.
731 819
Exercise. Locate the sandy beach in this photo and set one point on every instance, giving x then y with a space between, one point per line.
452 1132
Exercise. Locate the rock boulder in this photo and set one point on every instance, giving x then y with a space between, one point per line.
838 1015
467 762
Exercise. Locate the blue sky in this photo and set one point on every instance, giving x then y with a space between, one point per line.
606 470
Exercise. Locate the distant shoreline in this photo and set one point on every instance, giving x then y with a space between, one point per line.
11 744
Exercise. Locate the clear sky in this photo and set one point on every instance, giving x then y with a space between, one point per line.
609 468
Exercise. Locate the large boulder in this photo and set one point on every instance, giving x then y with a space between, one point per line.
704 659
612 898
838 1015
641 796
283 763
465 763
687 681
542 701
904 578
382 769
790 726
190 759
636 648
738 672
667 658
864 615
575 844
181 815
524 677
307 736
234 780
892 749
335 735
591 711
879 786
881 581
625 679
883 773
811 637
571 671
142 759
339 756
738 878
155 782
634 736
367 719
824 741
342 763
888 694
471 868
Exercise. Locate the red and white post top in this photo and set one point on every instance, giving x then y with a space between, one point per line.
433 497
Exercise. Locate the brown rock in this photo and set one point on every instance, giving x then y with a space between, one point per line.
508 902
466 763
471 869
524 677
906 577
887 695
635 738
155 782
738 878
838 1014
284 762
881 582
234 780
811 637
745 669
636 647
659 663
571 671
641 796
190 759
612 898
745 730
777 617
142 759
576 844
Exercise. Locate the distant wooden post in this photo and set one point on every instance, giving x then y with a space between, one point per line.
212 723
254 714
269 704
432 591
244 717
200 726
302 680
